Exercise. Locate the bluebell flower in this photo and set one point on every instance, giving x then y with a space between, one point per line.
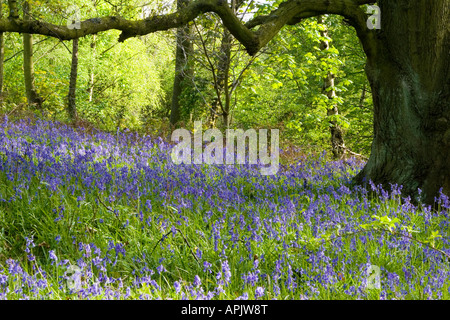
177 286
259 292
226 272
160 269
244 296
53 256
197 281
207 267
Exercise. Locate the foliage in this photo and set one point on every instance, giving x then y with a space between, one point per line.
130 79
285 86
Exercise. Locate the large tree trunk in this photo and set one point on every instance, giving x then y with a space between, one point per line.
409 73
33 97
72 107
183 51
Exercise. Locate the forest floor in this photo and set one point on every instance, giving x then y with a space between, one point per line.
95 215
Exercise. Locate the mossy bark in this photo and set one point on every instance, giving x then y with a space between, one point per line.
182 71
410 79
72 107
2 57
33 97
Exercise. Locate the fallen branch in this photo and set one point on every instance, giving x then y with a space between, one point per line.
184 238
353 153
107 208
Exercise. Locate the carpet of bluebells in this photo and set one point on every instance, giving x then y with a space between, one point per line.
94 215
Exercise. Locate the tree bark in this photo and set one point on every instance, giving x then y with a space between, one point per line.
410 79
337 134
33 97
72 107
223 72
2 58
92 69
183 51
221 103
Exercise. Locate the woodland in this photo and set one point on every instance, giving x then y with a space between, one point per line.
93 207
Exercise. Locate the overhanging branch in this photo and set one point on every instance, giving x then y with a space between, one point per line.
289 12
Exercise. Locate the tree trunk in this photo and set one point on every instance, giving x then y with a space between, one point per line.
33 97
92 69
183 51
71 107
2 58
224 89
337 134
409 74
223 75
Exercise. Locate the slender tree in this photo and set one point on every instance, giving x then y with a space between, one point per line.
223 99
183 51
226 76
33 97
337 134
2 58
72 107
92 68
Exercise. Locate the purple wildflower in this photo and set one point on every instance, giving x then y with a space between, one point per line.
259 292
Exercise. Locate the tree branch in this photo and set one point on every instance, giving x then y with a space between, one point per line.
289 12
361 2
293 11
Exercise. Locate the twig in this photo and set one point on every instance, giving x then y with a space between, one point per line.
163 237
19 52
14 109
184 238
424 243
107 208
354 153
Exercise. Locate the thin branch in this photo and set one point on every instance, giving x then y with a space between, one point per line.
289 12
353 153
184 238
107 208
216 84
19 52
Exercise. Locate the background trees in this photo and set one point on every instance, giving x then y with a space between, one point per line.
134 84
119 84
